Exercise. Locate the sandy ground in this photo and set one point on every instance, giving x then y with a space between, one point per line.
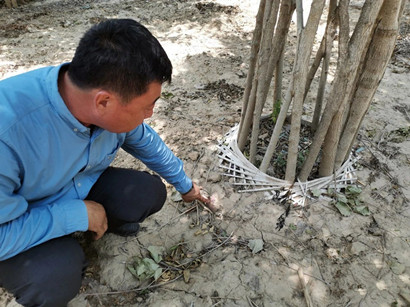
209 259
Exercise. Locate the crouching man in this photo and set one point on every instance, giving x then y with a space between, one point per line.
60 129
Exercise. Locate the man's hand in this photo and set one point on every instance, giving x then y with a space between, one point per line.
97 219
195 194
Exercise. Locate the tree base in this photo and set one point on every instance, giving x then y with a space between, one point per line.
249 178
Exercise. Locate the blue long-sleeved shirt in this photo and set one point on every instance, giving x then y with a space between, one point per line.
49 161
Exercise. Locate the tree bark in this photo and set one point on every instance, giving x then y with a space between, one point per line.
304 51
278 128
256 39
377 58
327 50
348 65
265 54
277 94
361 62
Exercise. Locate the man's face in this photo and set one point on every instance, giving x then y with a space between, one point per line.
126 117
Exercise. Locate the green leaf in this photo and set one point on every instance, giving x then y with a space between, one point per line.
292 226
158 273
397 268
341 198
141 269
353 190
343 208
150 264
316 193
144 268
155 252
363 210
176 196
132 269
167 95
255 245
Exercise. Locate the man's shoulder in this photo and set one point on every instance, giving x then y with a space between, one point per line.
22 94
24 76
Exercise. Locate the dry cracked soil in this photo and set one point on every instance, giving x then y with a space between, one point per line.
236 256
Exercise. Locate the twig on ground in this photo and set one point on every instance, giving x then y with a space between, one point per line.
216 247
348 303
251 303
305 288
150 286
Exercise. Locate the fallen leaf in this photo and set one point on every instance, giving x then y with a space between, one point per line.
343 208
255 245
156 252
363 210
176 196
397 268
316 193
187 275
158 273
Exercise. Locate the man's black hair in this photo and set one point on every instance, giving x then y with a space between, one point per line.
119 55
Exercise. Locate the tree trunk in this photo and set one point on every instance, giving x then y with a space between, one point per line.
264 78
327 50
362 58
304 49
347 67
277 94
257 34
377 58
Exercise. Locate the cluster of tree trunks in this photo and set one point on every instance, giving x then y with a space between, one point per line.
362 53
11 3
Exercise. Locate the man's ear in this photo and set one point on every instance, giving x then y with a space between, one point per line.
103 100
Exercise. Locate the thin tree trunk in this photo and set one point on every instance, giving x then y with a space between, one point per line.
257 34
277 94
328 43
330 143
321 52
347 69
299 16
304 50
247 122
330 146
278 128
286 12
378 56
279 39
315 65
320 93
264 80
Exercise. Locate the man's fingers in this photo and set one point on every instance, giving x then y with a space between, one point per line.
98 235
205 199
97 218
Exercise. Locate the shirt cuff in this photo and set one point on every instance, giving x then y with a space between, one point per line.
185 186
76 216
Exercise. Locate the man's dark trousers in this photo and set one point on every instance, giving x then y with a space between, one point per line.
50 274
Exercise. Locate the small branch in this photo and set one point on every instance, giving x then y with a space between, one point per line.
150 286
257 34
305 288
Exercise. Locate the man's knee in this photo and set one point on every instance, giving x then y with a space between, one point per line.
46 275
151 198
37 295
161 194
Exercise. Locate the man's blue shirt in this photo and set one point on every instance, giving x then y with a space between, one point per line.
49 161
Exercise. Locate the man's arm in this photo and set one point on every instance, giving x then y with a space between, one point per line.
23 226
146 145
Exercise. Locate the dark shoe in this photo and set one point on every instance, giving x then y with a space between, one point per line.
127 229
